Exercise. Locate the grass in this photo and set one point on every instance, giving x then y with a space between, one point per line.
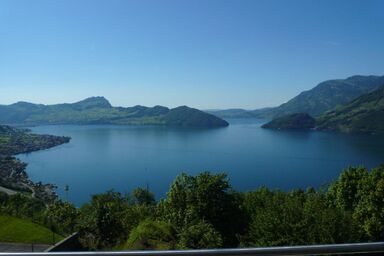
15 230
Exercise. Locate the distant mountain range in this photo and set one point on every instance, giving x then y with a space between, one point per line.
364 114
98 110
323 97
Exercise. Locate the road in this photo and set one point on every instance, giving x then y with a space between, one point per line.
7 190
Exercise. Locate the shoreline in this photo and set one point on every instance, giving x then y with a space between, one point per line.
13 175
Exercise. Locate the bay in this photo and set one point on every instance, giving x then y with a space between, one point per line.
104 157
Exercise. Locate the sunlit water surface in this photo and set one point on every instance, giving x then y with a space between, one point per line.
103 157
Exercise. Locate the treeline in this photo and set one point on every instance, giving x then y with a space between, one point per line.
204 211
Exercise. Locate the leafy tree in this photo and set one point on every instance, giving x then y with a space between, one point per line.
101 221
276 219
325 224
361 193
296 217
369 211
20 205
344 192
199 236
63 216
143 197
152 235
206 197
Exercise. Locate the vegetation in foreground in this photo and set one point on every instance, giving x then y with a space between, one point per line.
204 211
16 230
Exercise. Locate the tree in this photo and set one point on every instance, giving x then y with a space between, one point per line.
206 197
369 211
101 221
361 193
294 218
143 197
152 235
200 236
344 192
63 216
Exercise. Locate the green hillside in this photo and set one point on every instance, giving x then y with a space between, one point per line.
363 115
97 110
299 121
185 116
15 230
325 96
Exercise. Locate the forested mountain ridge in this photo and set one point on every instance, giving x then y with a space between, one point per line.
98 110
362 115
299 121
316 101
328 95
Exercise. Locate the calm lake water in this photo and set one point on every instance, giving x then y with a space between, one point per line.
104 157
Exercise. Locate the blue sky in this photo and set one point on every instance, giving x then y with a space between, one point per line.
201 53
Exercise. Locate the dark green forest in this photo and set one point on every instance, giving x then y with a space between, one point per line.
204 211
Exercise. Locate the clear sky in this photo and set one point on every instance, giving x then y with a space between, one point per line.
202 53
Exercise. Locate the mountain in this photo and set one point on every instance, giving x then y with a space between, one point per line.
185 116
323 97
362 115
98 110
298 121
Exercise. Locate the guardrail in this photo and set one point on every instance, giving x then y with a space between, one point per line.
358 248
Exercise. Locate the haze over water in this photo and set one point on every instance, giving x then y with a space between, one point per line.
103 157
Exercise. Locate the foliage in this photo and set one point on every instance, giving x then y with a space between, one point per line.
101 221
297 217
62 217
20 205
203 211
152 235
362 192
206 197
200 235
143 197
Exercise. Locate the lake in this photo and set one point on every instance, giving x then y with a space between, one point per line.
103 157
